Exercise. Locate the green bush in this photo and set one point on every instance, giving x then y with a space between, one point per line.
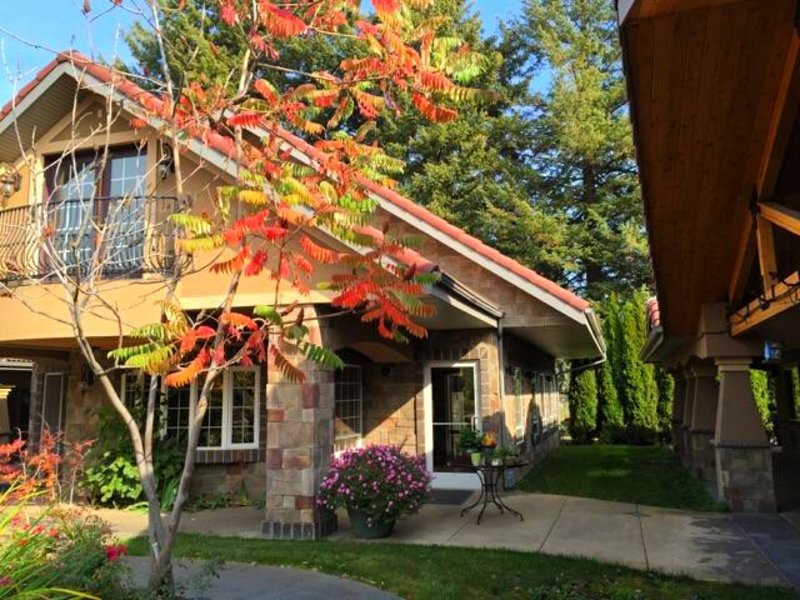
583 407
113 478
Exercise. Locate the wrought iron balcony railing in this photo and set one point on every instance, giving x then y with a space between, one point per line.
100 236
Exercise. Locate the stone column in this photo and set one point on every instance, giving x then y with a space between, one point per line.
704 416
678 399
299 448
688 409
742 452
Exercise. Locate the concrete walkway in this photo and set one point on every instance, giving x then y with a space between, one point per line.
237 581
756 549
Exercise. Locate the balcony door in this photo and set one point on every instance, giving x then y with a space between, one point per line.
84 191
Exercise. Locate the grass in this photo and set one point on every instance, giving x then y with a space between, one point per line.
421 572
648 475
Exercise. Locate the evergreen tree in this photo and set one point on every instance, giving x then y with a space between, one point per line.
583 145
610 417
583 406
475 171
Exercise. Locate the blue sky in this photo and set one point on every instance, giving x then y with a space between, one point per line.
58 24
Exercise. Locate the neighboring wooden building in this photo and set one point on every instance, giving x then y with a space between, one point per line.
714 87
489 359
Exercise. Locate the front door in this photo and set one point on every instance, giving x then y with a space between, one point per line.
452 404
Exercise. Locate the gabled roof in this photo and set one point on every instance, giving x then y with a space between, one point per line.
84 70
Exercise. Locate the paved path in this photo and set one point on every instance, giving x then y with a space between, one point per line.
758 549
237 581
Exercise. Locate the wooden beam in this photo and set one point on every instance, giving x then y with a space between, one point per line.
781 122
767 262
756 313
745 255
782 216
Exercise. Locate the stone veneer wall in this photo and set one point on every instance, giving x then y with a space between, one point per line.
231 473
745 478
392 404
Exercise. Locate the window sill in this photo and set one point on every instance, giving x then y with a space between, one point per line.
223 456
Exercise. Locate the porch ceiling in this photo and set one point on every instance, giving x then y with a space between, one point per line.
703 78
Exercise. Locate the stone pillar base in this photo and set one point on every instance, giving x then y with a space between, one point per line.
686 447
325 525
704 455
677 438
744 477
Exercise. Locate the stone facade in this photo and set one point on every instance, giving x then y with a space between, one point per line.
703 456
745 479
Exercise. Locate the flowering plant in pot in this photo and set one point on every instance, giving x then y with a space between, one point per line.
377 485
469 441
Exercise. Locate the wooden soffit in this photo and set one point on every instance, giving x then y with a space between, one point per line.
705 80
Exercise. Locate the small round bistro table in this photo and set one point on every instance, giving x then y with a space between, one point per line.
491 476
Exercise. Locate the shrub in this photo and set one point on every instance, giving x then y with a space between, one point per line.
113 478
47 551
583 406
381 481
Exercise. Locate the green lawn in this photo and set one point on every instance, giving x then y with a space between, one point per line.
640 474
434 572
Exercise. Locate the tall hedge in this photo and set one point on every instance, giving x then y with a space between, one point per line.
583 406
637 410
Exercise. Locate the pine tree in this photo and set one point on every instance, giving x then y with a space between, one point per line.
475 171
583 146
583 406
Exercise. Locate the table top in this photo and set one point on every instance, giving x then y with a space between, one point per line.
490 467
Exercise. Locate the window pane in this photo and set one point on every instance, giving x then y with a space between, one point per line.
211 430
243 407
348 407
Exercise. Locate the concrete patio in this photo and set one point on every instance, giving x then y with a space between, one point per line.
756 549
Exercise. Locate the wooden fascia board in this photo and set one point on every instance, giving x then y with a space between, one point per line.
634 10
755 313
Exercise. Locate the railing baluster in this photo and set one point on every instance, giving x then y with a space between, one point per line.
138 237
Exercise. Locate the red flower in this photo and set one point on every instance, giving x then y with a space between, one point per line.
5 581
115 551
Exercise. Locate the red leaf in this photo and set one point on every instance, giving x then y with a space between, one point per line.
386 6
281 23
228 14
205 332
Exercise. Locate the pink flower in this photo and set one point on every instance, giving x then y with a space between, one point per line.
5 581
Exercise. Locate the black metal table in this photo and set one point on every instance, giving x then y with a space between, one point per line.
491 476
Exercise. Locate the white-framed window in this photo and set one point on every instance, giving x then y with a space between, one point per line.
519 406
348 407
232 417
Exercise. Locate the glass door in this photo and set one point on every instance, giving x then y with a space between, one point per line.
455 407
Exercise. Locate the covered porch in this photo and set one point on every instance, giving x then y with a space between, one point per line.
714 88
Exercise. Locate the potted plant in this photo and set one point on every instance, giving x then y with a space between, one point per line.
376 485
469 441
505 455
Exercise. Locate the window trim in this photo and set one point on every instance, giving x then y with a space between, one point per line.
227 408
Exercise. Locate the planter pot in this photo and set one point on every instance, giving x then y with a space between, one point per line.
361 528
475 457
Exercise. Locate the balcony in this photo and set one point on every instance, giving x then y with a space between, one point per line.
106 237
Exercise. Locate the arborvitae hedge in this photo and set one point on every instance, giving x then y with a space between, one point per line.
633 399
583 406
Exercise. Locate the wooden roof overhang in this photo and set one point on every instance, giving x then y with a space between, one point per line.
714 89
